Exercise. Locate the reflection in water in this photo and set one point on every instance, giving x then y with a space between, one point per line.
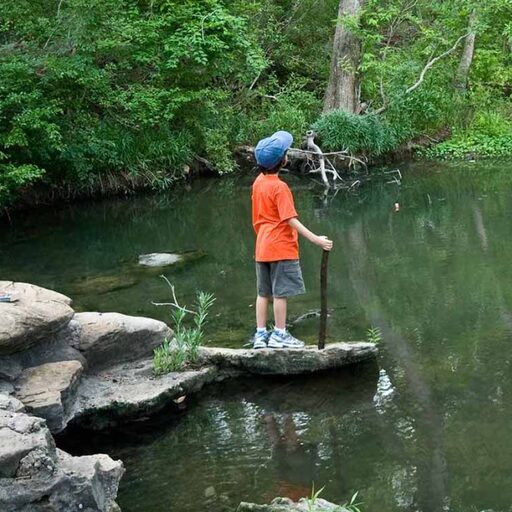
294 460
384 394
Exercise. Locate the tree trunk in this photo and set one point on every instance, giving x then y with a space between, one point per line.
346 55
461 76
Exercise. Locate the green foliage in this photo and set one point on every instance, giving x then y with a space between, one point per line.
137 88
168 358
99 92
183 349
351 506
374 335
14 178
488 135
368 134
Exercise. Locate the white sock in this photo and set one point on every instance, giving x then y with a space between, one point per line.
282 332
261 330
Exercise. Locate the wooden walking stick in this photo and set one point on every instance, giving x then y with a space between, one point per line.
323 300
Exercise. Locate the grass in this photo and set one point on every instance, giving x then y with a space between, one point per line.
183 349
350 506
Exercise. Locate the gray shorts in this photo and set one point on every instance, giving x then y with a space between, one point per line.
279 278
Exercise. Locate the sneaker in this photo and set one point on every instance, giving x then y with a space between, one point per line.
260 340
285 340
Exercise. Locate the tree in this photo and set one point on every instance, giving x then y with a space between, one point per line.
342 88
461 76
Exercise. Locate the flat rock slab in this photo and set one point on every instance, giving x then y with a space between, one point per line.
107 339
36 314
106 397
289 361
49 390
131 390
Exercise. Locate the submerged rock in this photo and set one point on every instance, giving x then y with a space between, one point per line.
35 315
49 391
165 259
287 505
102 284
35 476
108 339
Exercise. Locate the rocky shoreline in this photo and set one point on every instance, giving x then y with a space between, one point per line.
96 369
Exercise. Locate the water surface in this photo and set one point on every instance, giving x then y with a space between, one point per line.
430 433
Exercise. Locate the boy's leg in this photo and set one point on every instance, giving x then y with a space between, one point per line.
261 312
280 307
286 282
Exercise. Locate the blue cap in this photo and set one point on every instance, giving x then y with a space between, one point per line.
270 151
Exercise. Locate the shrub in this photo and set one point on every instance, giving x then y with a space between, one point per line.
367 134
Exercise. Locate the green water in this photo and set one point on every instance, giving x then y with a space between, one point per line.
431 433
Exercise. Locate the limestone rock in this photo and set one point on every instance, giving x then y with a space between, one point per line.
129 390
112 396
35 315
55 349
49 390
165 259
159 259
287 505
19 435
37 477
288 361
107 339
9 403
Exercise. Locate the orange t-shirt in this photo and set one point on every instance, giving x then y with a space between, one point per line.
272 207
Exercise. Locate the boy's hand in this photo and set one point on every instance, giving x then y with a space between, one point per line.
324 243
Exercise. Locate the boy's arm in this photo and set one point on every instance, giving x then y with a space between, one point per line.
322 241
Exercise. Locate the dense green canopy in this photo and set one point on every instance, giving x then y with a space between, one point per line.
106 94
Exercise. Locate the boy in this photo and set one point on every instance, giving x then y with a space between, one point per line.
275 221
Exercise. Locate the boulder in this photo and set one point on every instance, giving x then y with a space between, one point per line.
287 505
35 315
59 347
54 349
49 391
9 403
19 435
37 477
107 339
288 361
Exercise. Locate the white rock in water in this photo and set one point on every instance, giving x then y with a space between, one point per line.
159 259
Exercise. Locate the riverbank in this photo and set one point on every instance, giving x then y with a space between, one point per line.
427 150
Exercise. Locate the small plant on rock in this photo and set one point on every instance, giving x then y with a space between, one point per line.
173 354
373 335
351 506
